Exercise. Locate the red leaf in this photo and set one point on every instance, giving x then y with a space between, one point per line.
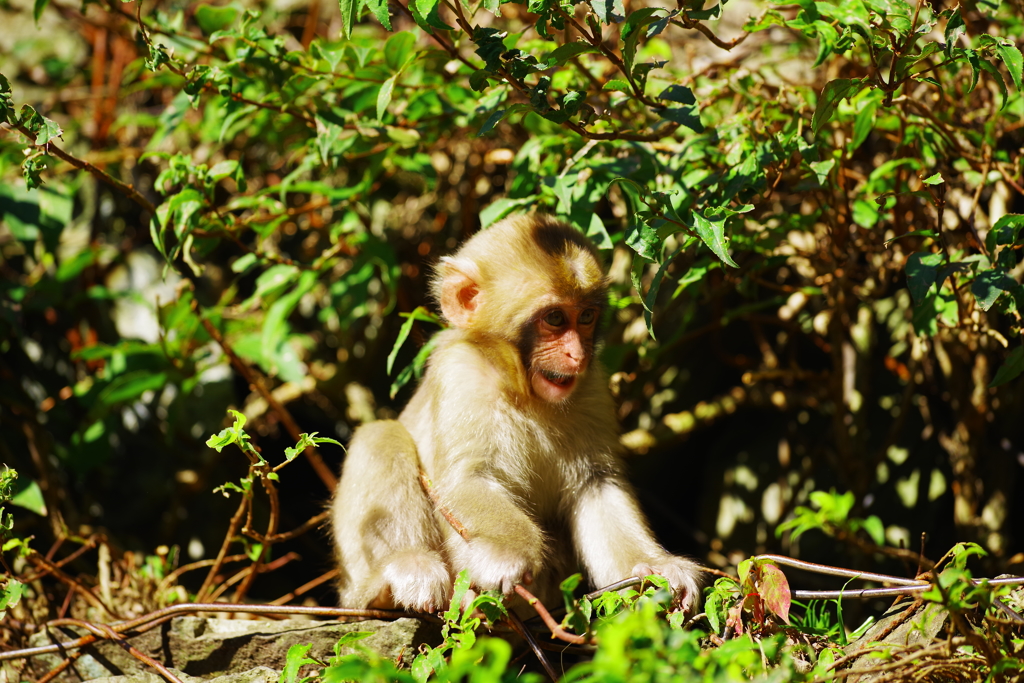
774 589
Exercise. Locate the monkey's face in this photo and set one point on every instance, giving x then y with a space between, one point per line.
564 343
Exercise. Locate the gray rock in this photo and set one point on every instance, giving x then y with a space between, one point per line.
228 650
920 627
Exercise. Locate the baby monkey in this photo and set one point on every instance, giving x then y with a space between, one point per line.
505 460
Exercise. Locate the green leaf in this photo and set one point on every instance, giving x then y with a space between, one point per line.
491 121
421 314
30 498
1007 230
989 285
1013 60
617 84
598 233
212 18
503 207
564 186
833 93
875 529
348 16
415 369
563 53
631 32
821 169
380 10
272 282
712 233
1011 368
913 233
44 128
131 385
987 66
955 26
686 116
851 13
428 10
934 307
608 11
218 441
6 100
462 583
37 9
922 268
934 179
398 50
32 169
679 94
384 96
12 591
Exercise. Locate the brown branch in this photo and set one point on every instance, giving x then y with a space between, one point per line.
913 655
306 587
254 569
169 580
90 597
520 628
556 630
688 23
229 537
88 545
310 523
840 571
105 632
445 512
57 670
324 472
194 608
104 177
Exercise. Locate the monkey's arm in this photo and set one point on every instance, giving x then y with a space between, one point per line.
503 544
463 431
613 541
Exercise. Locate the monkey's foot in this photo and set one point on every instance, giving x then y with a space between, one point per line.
418 580
682 574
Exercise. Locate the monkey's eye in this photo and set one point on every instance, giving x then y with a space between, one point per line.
555 318
587 316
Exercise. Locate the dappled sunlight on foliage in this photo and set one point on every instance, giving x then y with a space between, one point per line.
813 220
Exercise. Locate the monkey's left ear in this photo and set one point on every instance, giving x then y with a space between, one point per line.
460 292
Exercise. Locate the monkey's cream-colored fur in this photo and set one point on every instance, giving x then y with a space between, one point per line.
536 484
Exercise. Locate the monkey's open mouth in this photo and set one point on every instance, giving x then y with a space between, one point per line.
558 378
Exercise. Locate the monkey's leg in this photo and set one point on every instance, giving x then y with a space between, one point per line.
613 542
384 530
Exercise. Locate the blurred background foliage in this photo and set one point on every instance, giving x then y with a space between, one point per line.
809 212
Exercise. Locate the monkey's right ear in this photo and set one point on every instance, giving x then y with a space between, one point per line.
460 291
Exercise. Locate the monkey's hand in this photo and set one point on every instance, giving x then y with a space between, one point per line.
500 566
682 574
419 581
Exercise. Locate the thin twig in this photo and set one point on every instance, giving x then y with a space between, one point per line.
124 188
229 538
171 578
310 523
321 468
549 621
306 587
105 632
840 571
193 608
90 597
520 627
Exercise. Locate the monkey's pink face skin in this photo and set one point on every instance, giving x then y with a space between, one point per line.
565 342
